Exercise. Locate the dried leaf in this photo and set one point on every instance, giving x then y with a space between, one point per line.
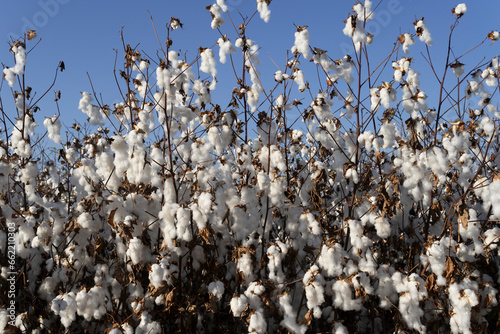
31 34
169 299
111 219
463 213
307 318
450 267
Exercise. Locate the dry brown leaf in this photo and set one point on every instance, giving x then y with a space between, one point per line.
450 267
31 34
307 318
169 299
463 213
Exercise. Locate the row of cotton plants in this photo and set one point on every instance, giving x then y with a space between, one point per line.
375 210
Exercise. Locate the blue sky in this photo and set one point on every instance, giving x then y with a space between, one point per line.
84 34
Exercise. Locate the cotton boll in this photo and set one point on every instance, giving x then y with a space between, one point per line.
437 261
280 76
463 298
156 275
366 138
137 252
385 290
265 13
315 292
458 69
289 316
216 289
408 40
364 12
492 238
257 323
344 71
91 304
494 35
338 328
375 98
352 174
225 48
389 132
53 126
245 265
298 77
354 29
331 260
411 291
18 69
423 32
301 44
10 76
238 305
90 110
208 65
460 10
275 254
65 306
222 5
383 227
488 126
183 222
343 297
216 12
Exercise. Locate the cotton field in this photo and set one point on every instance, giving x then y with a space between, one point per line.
375 210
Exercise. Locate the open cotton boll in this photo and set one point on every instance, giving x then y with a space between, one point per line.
338 328
280 76
301 44
208 65
298 77
257 323
460 9
492 238
367 139
289 316
65 306
53 126
423 32
90 110
364 12
265 13
238 305
222 5
411 291
354 29
91 304
408 40
216 289
315 292
383 227
344 71
343 297
18 69
216 12
463 298
225 48
137 252
436 256
331 260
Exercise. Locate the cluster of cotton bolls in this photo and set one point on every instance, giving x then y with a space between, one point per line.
177 221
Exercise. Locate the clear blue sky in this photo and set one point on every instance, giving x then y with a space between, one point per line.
84 33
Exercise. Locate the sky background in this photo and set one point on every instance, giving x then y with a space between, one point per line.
84 35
